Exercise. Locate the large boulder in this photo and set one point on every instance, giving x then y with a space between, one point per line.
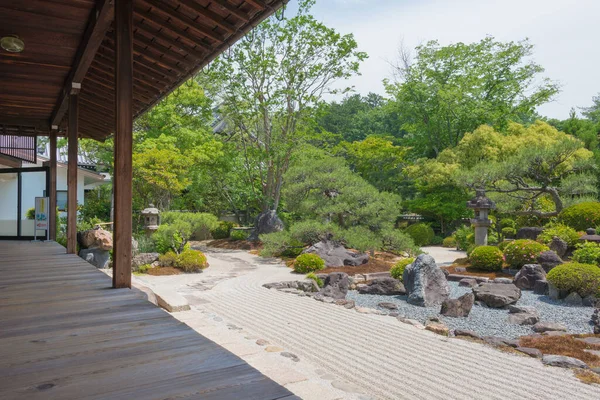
596 321
548 260
383 286
529 232
528 275
266 222
497 295
95 256
336 285
425 282
336 255
559 246
143 259
96 238
541 287
460 307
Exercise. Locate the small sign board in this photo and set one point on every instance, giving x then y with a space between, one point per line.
42 215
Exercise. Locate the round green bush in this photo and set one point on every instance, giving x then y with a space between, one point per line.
581 216
449 242
169 259
508 223
421 233
191 261
238 234
576 277
307 262
437 240
222 231
509 232
502 245
523 251
587 253
487 258
562 231
398 268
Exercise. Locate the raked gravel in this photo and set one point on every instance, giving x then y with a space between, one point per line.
489 321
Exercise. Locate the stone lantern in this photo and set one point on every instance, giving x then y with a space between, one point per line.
151 217
482 206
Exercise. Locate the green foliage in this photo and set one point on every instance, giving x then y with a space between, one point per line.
202 224
315 278
172 236
30 213
239 234
509 232
449 242
276 243
396 241
398 268
222 230
421 233
450 90
587 253
502 245
306 263
487 258
508 223
523 251
310 231
97 204
437 240
361 239
581 216
464 236
145 244
169 259
142 269
191 261
562 231
575 277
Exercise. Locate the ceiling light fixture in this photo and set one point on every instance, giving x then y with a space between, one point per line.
12 44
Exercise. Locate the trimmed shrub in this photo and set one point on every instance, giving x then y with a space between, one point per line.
201 223
437 240
492 238
470 249
360 238
502 245
310 232
172 236
523 251
396 241
421 233
191 261
315 278
30 213
581 216
464 237
587 253
509 232
449 242
576 277
398 268
294 249
307 262
169 259
274 244
222 230
508 223
142 269
564 232
487 258
238 234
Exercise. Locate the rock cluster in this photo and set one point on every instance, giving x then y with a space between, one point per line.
497 295
95 245
528 275
522 315
335 285
336 255
425 282
143 259
382 286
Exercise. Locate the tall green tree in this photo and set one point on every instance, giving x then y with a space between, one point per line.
593 112
271 83
447 91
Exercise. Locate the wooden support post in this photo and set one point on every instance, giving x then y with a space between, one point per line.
52 187
72 174
123 143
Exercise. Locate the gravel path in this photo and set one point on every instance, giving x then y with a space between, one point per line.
387 359
489 321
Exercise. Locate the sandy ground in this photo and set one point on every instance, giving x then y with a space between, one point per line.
343 354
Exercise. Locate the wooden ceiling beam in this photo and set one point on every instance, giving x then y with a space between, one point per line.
224 5
258 4
109 77
211 15
104 63
97 27
184 19
166 51
38 124
176 45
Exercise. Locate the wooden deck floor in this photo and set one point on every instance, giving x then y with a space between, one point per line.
64 334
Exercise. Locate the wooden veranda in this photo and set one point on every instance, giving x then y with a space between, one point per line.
65 335
90 67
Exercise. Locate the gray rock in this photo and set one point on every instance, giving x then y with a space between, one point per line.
589 301
559 246
349 304
142 259
437 327
554 333
425 282
468 282
535 353
387 305
596 320
503 280
96 256
528 275
497 295
574 299
96 238
529 232
457 308
336 255
495 341
548 260
548 326
541 287
383 286
556 294
306 285
336 285
513 309
465 332
523 319
594 341
266 222
289 355
563 361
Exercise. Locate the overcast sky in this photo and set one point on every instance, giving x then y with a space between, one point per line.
566 36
